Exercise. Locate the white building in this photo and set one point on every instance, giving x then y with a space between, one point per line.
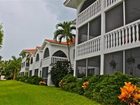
108 33
44 57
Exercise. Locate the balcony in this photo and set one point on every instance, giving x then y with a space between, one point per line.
92 46
54 59
31 67
89 12
123 38
94 10
47 61
36 64
110 3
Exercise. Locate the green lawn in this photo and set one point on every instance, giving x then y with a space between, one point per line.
17 93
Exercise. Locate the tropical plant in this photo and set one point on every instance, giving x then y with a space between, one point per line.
65 31
14 66
23 54
130 94
1 34
59 70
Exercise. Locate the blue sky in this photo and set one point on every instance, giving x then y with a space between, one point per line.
28 22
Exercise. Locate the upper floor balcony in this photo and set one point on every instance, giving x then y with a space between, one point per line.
122 38
94 10
52 60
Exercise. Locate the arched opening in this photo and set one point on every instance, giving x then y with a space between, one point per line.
37 57
46 53
60 54
31 60
86 4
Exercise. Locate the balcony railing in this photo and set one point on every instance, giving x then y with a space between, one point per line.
123 36
109 3
88 47
89 12
54 59
46 62
36 64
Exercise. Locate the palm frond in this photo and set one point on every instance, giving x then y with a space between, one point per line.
58 33
72 28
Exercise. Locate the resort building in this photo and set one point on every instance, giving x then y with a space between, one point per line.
108 36
43 58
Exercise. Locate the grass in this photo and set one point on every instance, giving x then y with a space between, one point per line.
17 93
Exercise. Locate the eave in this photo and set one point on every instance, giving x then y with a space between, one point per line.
72 3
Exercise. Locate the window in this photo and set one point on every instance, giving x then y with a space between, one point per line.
82 33
45 72
46 53
31 60
81 68
37 57
36 72
132 10
86 4
93 66
114 18
60 54
95 27
30 73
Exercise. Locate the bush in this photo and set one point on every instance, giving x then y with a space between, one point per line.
32 80
102 88
59 70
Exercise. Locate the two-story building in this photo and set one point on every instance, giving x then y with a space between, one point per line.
108 33
43 58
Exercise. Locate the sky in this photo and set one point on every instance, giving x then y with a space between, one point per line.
27 23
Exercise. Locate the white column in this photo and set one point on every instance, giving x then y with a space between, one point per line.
49 81
124 20
124 62
102 38
86 67
102 64
76 43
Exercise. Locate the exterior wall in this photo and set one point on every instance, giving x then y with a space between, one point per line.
120 31
24 66
46 62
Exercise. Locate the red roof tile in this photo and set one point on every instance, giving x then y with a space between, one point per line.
54 41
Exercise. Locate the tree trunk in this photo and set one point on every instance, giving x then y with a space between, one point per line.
14 75
69 57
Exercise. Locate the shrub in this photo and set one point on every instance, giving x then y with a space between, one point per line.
72 84
59 70
32 80
102 88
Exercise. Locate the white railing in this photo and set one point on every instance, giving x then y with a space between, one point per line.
108 3
89 12
36 64
123 36
31 67
89 46
46 62
54 59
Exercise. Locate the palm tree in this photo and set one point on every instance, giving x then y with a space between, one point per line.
14 66
1 34
65 31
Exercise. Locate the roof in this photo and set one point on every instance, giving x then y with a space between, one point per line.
57 42
30 50
73 3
